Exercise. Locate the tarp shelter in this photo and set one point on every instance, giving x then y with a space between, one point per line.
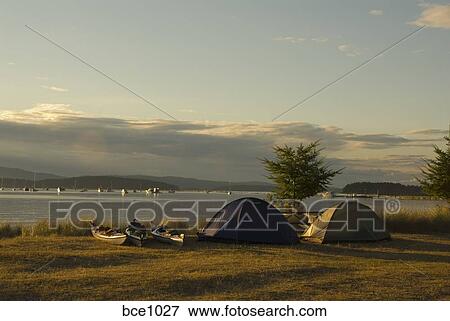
347 221
250 220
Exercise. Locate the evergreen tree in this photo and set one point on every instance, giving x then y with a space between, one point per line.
435 179
299 172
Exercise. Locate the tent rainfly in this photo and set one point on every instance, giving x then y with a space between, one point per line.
251 220
348 221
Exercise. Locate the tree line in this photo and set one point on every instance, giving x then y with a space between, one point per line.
383 188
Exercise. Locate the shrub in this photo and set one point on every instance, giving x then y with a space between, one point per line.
6 230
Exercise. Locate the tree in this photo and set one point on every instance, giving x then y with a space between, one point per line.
299 172
435 179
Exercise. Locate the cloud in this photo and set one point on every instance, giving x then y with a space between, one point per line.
428 132
41 114
54 88
376 12
349 50
377 141
423 3
187 111
290 39
75 142
296 40
434 16
376 170
320 39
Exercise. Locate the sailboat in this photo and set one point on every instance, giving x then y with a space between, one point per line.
34 183
110 189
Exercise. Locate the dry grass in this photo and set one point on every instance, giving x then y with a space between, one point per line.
435 220
42 228
410 267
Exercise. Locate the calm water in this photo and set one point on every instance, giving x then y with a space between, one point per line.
28 207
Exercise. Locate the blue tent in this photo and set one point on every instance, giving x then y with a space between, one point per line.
250 220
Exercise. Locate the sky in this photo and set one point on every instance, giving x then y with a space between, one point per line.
224 69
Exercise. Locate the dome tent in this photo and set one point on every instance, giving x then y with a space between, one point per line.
348 221
250 220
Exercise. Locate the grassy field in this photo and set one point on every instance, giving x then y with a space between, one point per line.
410 267
428 221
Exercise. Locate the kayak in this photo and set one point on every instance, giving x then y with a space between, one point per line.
136 233
108 235
136 237
165 236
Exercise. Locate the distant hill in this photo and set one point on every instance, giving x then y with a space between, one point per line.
246 188
17 173
8 182
14 177
201 184
334 189
93 182
385 188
